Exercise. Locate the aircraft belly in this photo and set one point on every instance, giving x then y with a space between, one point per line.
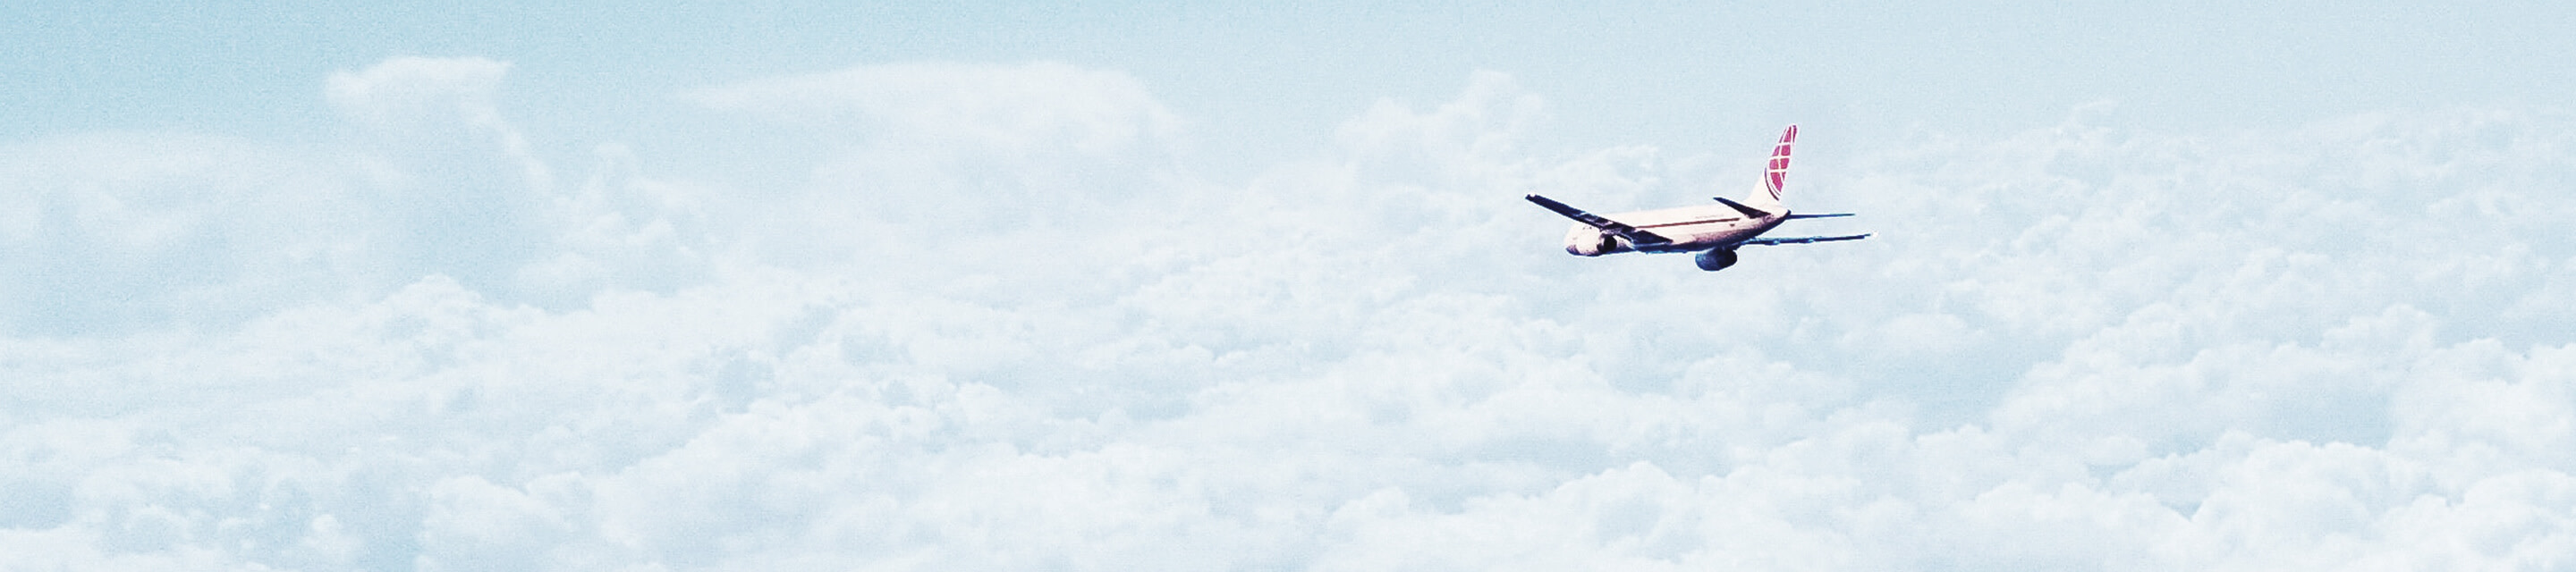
1711 236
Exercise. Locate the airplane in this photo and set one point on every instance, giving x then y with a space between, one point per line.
1713 231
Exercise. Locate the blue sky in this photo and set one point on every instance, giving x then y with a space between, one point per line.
1122 286
1670 74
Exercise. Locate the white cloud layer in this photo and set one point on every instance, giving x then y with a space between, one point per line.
999 325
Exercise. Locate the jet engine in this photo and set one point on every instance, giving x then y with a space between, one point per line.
1588 241
1715 259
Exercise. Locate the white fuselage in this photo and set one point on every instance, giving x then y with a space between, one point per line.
1691 229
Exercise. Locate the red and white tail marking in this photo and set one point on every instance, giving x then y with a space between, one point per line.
1778 173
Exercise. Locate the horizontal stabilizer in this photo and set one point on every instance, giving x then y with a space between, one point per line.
1749 212
1801 239
1634 235
1824 215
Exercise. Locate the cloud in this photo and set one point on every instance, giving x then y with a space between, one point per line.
114 232
414 95
464 193
2073 347
898 155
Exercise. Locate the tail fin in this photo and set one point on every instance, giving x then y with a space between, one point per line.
1775 174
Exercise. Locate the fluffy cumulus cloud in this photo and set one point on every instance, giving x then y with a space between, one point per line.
998 323
127 231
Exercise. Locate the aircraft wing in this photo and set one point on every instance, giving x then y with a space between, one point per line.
1824 215
1800 239
1635 236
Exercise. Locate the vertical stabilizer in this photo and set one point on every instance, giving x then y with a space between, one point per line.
1774 174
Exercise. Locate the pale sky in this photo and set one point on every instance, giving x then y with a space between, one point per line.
1202 286
1668 74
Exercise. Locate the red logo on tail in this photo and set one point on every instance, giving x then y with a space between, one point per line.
1779 171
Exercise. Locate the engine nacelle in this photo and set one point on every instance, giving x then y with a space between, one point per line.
1587 241
1715 259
